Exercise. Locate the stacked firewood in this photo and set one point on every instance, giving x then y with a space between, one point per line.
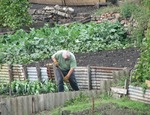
52 13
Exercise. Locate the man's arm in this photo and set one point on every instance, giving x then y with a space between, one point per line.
68 75
70 72
55 60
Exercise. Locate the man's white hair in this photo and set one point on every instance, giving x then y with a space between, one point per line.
65 54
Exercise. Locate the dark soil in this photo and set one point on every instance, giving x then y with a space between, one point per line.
112 58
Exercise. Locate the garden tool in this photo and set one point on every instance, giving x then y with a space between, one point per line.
61 73
67 82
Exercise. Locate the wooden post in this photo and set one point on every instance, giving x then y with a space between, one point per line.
25 72
10 77
10 73
89 77
103 86
49 72
92 105
38 72
54 69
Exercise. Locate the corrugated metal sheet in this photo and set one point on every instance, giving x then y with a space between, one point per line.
137 94
44 74
17 72
4 73
89 77
32 73
81 77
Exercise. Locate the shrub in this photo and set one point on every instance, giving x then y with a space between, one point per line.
14 13
127 9
142 68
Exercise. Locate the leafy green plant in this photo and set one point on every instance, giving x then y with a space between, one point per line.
28 87
14 13
127 9
4 89
121 82
142 71
146 3
142 17
24 48
138 16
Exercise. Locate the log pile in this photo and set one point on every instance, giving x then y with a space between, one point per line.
58 14
52 14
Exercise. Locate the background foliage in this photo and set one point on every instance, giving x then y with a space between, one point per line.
14 13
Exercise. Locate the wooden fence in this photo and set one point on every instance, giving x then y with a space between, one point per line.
68 2
28 105
89 77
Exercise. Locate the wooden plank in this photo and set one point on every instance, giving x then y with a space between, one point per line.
41 102
119 90
25 105
68 2
52 2
20 105
47 102
3 110
51 97
29 104
13 106
81 2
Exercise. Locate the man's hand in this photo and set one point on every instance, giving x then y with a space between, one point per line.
56 63
66 79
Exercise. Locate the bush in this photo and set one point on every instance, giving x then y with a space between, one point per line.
127 9
14 13
142 69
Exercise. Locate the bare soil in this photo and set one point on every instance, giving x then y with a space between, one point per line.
112 58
